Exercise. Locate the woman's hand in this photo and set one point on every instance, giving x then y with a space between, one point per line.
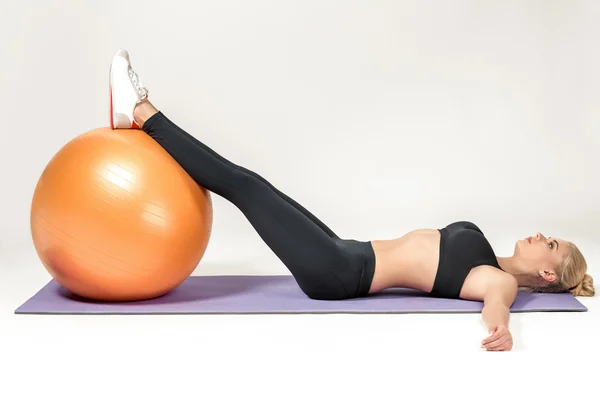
500 339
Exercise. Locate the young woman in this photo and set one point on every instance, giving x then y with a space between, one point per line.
453 262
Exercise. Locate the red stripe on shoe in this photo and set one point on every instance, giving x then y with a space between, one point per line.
112 122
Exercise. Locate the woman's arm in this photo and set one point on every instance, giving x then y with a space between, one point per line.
498 290
497 300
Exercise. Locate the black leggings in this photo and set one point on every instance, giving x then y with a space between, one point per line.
324 266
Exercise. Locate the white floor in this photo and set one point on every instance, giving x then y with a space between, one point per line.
284 356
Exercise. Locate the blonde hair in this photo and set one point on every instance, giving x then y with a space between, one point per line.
573 276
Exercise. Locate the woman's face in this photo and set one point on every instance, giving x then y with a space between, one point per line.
541 255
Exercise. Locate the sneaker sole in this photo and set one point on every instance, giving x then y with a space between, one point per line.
110 89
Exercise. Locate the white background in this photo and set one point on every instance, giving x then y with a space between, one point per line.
378 116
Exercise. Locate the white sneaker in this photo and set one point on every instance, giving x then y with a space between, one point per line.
126 91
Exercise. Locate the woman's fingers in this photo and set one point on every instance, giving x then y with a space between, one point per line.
497 334
499 340
502 344
505 347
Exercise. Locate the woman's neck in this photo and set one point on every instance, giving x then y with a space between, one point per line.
511 266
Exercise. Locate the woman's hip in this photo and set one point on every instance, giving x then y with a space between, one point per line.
346 275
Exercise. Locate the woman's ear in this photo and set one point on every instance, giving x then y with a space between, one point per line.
548 275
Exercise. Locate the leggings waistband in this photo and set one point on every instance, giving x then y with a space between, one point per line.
368 269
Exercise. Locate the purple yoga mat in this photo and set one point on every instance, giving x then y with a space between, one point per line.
249 294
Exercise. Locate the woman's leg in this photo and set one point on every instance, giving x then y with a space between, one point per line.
285 197
324 267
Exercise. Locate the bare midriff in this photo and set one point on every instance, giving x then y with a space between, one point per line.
410 261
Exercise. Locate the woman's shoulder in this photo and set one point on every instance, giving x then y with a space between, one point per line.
483 278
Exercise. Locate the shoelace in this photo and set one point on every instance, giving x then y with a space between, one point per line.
141 90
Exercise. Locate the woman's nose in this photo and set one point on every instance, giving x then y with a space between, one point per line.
539 236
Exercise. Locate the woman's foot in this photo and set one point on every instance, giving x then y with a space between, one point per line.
126 92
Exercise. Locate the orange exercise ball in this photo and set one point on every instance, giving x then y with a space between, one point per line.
115 218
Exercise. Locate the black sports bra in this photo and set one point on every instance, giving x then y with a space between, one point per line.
462 247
